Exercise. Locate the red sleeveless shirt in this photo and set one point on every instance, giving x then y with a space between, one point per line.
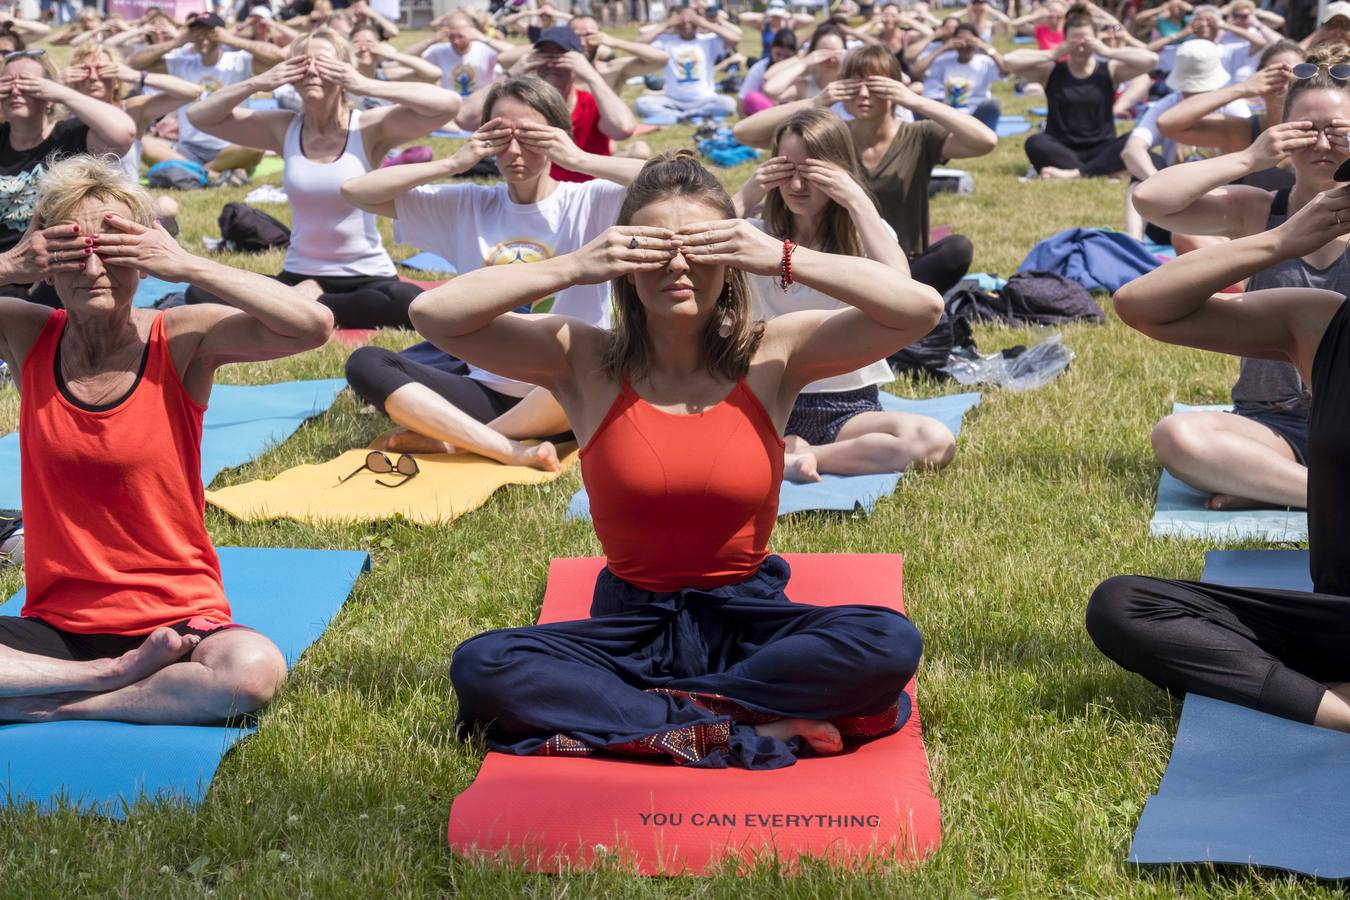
114 531
682 501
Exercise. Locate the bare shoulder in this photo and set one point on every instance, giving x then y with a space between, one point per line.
20 324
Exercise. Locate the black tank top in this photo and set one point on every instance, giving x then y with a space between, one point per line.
1080 113
1328 450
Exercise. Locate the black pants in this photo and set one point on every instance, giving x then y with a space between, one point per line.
943 264
1270 650
375 373
1099 159
357 301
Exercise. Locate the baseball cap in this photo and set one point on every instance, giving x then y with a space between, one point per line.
211 20
560 35
1338 8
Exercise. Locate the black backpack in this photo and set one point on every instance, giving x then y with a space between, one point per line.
1045 298
929 354
248 230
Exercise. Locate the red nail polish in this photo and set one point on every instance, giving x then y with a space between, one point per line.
77 229
108 216
88 242
87 251
81 265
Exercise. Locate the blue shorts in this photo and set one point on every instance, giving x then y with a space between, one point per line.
816 418
1291 426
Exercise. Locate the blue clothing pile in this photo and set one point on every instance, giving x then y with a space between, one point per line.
1094 257
724 150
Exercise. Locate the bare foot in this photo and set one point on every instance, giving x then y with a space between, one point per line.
800 468
405 441
543 456
822 736
163 647
1229 502
1050 173
310 288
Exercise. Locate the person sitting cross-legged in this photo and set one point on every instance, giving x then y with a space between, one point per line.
126 617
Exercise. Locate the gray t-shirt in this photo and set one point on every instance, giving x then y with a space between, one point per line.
1264 385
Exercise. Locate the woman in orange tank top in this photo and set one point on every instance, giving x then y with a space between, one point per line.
125 616
693 651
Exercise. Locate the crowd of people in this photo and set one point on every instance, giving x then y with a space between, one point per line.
700 347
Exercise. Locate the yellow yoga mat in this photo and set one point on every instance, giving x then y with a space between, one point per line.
447 486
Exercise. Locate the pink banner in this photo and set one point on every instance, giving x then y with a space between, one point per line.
134 9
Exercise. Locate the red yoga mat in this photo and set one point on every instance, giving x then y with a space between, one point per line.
547 812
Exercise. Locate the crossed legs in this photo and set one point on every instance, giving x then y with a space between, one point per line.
1242 462
226 673
873 442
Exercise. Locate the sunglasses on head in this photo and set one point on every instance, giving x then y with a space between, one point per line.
1306 70
25 54
380 464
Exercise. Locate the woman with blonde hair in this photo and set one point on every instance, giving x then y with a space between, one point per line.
694 652
336 253
812 194
126 617
98 72
31 137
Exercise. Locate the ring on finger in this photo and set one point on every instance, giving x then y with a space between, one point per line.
633 244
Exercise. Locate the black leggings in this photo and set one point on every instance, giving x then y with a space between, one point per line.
943 264
1099 159
1271 650
375 373
357 301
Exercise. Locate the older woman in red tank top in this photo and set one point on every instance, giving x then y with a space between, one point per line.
126 617
694 651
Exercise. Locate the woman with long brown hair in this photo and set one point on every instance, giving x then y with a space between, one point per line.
812 193
695 652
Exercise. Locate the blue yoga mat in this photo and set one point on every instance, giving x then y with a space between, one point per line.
661 119
1244 787
452 133
429 262
837 492
1023 39
1167 251
1039 111
288 595
1181 512
241 422
151 289
262 103
1009 126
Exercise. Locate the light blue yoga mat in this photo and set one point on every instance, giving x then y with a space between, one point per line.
151 289
429 262
1023 39
1181 512
288 595
1039 111
1008 126
846 493
240 423
262 103
453 134
1244 787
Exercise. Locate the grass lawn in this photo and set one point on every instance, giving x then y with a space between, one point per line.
1042 751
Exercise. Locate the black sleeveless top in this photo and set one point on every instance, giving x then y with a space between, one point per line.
1079 109
1328 451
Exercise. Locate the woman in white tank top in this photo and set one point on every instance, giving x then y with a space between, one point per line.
335 250
97 72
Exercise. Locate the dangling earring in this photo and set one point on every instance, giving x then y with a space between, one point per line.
724 330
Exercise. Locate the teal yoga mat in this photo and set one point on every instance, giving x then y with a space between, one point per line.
845 493
1010 126
103 767
1181 512
241 422
152 289
1244 787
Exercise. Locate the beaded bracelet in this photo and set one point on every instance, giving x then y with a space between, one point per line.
785 268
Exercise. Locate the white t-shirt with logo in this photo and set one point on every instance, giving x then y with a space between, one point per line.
689 71
768 301
466 73
964 85
186 63
475 225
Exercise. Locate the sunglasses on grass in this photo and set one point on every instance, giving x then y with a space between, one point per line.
380 464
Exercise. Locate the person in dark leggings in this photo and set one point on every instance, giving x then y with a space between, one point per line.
336 253
1080 130
1279 651
897 157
